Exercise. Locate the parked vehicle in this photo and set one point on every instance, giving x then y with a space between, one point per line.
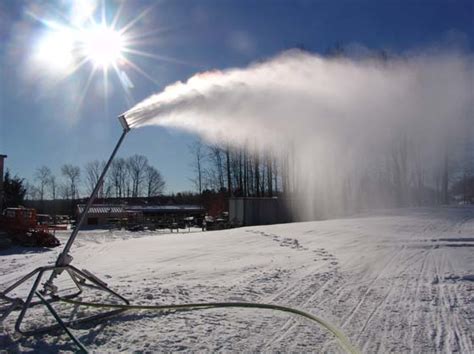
21 225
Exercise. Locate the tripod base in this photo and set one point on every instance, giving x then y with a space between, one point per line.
81 279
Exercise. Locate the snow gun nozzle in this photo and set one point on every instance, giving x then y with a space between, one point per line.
124 123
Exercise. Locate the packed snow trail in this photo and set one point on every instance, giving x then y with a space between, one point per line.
400 281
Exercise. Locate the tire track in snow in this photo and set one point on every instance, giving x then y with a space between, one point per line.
414 296
306 286
371 285
466 339
457 336
390 292
388 297
386 321
442 333
292 323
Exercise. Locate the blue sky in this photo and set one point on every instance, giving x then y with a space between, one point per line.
41 122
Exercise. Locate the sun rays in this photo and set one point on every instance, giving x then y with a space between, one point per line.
89 42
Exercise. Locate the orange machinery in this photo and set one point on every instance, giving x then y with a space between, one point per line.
22 226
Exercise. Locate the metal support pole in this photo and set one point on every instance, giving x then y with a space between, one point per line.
64 258
28 301
93 196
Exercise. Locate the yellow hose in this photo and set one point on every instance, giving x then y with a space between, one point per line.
346 345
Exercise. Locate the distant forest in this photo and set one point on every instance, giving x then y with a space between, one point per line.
127 178
402 176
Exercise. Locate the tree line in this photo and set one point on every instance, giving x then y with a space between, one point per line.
127 177
235 171
399 177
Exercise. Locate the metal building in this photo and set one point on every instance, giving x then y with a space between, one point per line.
258 211
105 215
110 215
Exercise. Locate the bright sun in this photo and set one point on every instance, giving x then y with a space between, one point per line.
88 37
103 46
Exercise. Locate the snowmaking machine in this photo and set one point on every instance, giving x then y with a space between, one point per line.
46 292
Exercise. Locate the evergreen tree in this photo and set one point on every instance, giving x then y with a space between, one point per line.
14 189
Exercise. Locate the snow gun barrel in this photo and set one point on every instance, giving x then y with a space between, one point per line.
124 123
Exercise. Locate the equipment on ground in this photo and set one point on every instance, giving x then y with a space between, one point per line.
22 227
81 278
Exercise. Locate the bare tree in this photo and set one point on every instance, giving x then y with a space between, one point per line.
154 182
269 176
241 174
246 173
92 171
275 176
53 186
42 175
257 174
197 149
229 177
64 191
118 176
215 172
136 166
72 175
236 172
107 187
32 192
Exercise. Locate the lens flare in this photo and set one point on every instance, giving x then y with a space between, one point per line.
91 39
55 50
103 46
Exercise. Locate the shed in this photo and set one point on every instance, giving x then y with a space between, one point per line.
107 215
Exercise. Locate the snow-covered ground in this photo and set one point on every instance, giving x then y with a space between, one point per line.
398 281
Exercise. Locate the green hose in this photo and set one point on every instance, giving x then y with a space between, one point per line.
202 306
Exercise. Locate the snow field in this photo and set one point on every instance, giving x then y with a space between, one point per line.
398 281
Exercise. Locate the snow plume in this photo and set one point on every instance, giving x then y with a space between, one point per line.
348 133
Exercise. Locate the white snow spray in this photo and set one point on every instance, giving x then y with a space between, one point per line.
351 133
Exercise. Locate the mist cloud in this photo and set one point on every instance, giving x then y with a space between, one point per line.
336 119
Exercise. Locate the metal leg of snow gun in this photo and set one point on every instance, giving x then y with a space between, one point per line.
80 278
